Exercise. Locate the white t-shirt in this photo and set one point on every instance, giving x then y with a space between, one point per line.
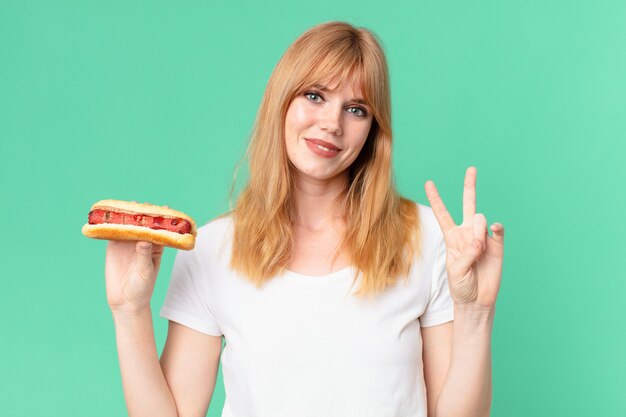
303 346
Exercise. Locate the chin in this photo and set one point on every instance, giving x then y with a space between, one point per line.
317 174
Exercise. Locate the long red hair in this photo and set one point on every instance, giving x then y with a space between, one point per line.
382 227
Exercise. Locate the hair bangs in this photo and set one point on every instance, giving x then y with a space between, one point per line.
335 64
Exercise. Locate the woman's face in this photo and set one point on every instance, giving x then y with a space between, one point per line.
325 129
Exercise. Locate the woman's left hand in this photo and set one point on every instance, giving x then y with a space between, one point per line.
473 258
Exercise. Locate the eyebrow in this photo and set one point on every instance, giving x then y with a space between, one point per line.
324 88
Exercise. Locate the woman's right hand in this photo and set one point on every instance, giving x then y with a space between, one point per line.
131 269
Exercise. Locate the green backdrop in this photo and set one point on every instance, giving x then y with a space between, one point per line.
153 101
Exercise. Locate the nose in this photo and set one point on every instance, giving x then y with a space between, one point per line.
330 121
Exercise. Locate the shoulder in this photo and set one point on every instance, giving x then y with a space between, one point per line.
429 230
219 225
427 219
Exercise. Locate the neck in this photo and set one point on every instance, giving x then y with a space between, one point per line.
316 206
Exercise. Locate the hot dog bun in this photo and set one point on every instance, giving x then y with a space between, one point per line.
111 230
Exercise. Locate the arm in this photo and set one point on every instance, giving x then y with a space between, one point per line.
458 357
145 388
436 348
190 361
457 365
182 384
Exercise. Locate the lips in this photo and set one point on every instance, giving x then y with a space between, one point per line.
324 144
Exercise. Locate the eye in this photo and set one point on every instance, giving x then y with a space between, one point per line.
357 111
313 96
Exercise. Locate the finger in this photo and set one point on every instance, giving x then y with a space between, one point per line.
157 255
144 257
498 232
157 249
495 243
469 195
472 252
439 208
468 257
479 229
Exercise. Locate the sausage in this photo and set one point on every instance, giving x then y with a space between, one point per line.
171 224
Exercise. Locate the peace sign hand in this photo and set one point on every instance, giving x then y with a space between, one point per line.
473 258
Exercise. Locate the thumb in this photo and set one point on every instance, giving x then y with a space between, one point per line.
143 258
464 262
476 247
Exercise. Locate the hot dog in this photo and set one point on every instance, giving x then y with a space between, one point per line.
124 220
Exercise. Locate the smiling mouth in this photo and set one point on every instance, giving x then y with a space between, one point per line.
324 149
321 144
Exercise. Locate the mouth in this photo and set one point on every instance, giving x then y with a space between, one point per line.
327 146
322 148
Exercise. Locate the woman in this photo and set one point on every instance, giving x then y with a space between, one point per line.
335 296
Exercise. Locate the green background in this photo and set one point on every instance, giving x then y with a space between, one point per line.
153 101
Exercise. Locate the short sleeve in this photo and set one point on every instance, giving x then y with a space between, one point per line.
440 308
187 300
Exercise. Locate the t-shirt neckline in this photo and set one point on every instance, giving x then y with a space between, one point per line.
338 273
